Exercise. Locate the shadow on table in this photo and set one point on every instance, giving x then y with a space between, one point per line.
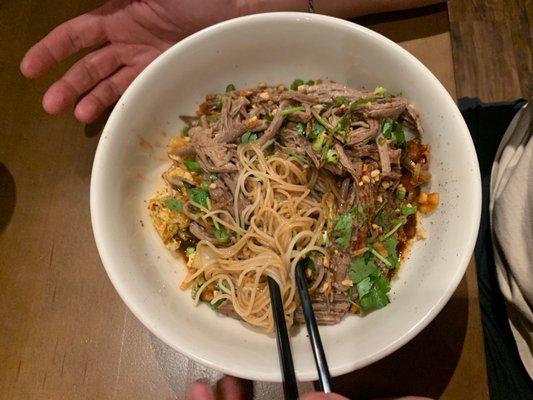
96 127
423 367
405 25
7 197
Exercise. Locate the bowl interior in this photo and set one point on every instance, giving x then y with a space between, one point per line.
275 48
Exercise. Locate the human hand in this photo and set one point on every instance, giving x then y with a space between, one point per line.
130 34
230 388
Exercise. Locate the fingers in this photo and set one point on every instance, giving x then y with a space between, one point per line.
199 391
322 396
104 94
68 38
84 75
231 388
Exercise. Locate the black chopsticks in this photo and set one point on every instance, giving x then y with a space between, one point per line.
312 330
290 387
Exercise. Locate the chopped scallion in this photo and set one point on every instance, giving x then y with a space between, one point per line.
248 137
291 110
332 156
296 83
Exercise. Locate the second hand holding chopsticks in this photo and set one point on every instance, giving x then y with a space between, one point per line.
290 387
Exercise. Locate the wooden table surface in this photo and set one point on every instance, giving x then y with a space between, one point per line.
65 333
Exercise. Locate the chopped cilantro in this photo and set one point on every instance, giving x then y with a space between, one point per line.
189 251
325 123
269 117
213 177
402 221
381 258
399 134
296 83
248 137
199 196
301 128
343 229
373 292
339 101
390 243
310 82
343 123
174 204
221 234
386 127
230 88
408 209
359 269
390 127
316 129
185 130
192 165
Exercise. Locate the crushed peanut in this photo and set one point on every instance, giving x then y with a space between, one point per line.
422 198
347 282
377 227
324 287
365 179
421 233
375 173
264 95
379 198
251 122
213 185
385 184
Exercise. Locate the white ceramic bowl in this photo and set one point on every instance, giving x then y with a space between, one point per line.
275 48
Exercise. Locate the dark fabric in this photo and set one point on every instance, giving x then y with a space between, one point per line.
508 379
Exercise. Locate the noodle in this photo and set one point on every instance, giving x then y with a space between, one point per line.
280 223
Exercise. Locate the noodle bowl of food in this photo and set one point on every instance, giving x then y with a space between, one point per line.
244 152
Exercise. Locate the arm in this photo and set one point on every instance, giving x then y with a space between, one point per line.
132 34
336 8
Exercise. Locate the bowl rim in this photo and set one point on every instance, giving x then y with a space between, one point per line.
150 322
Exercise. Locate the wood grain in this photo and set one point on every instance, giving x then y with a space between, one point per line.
492 48
65 333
